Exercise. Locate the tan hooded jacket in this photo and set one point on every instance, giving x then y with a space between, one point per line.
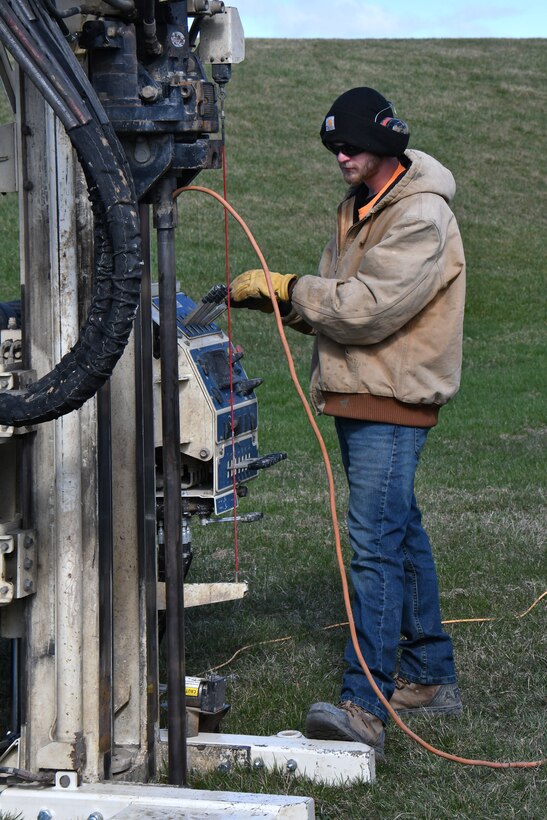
387 307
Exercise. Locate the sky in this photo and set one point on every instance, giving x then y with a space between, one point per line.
396 18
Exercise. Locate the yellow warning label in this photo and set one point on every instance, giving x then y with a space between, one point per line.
192 687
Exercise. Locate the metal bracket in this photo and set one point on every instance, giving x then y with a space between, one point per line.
222 39
11 345
17 565
15 380
8 156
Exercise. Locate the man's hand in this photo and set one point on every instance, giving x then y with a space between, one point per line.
250 290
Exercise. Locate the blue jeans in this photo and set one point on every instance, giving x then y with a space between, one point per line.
396 599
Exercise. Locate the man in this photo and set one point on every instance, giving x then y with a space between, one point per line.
387 313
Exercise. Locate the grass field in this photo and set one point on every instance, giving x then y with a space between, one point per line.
478 106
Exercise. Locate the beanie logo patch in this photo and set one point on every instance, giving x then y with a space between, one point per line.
329 123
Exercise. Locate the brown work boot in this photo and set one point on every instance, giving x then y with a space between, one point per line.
416 699
347 721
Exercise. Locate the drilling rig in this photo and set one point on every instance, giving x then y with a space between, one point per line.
125 411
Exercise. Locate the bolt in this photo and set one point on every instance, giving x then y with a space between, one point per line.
28 585
4 590
292 765
45 814
4 546
4 383
141 153
28 542
64 781
149 93
223 767
204 453
28 563
96 815
258 763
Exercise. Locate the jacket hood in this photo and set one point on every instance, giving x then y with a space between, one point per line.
426 175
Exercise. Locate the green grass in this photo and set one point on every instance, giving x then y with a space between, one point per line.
477 105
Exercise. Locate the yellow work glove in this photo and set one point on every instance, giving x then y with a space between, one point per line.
250 290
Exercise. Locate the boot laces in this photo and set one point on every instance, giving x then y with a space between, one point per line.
356 711
351 708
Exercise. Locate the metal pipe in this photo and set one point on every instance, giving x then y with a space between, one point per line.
153 45
146 491
15 721
68 454
106 558
164 222
26 449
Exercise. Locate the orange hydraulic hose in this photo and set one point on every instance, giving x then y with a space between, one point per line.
332 503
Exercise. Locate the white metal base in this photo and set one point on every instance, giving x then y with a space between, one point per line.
130 801
202 594
333 762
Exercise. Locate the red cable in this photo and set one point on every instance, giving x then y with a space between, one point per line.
332 502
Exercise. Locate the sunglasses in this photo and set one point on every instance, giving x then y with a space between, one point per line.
344 148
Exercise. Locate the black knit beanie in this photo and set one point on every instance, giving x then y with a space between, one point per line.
356 118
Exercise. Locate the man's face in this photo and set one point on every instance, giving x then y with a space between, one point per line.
362 167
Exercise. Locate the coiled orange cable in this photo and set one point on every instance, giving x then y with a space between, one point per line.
334 516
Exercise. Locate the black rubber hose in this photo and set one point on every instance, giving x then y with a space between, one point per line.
102 340
125 6
122 5
26 61
62 63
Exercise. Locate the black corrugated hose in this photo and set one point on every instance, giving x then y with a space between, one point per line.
36 43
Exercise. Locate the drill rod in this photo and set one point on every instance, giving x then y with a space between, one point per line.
165 221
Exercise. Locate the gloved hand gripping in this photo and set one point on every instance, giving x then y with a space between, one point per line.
250 290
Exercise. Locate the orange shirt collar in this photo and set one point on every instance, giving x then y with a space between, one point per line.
364 210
